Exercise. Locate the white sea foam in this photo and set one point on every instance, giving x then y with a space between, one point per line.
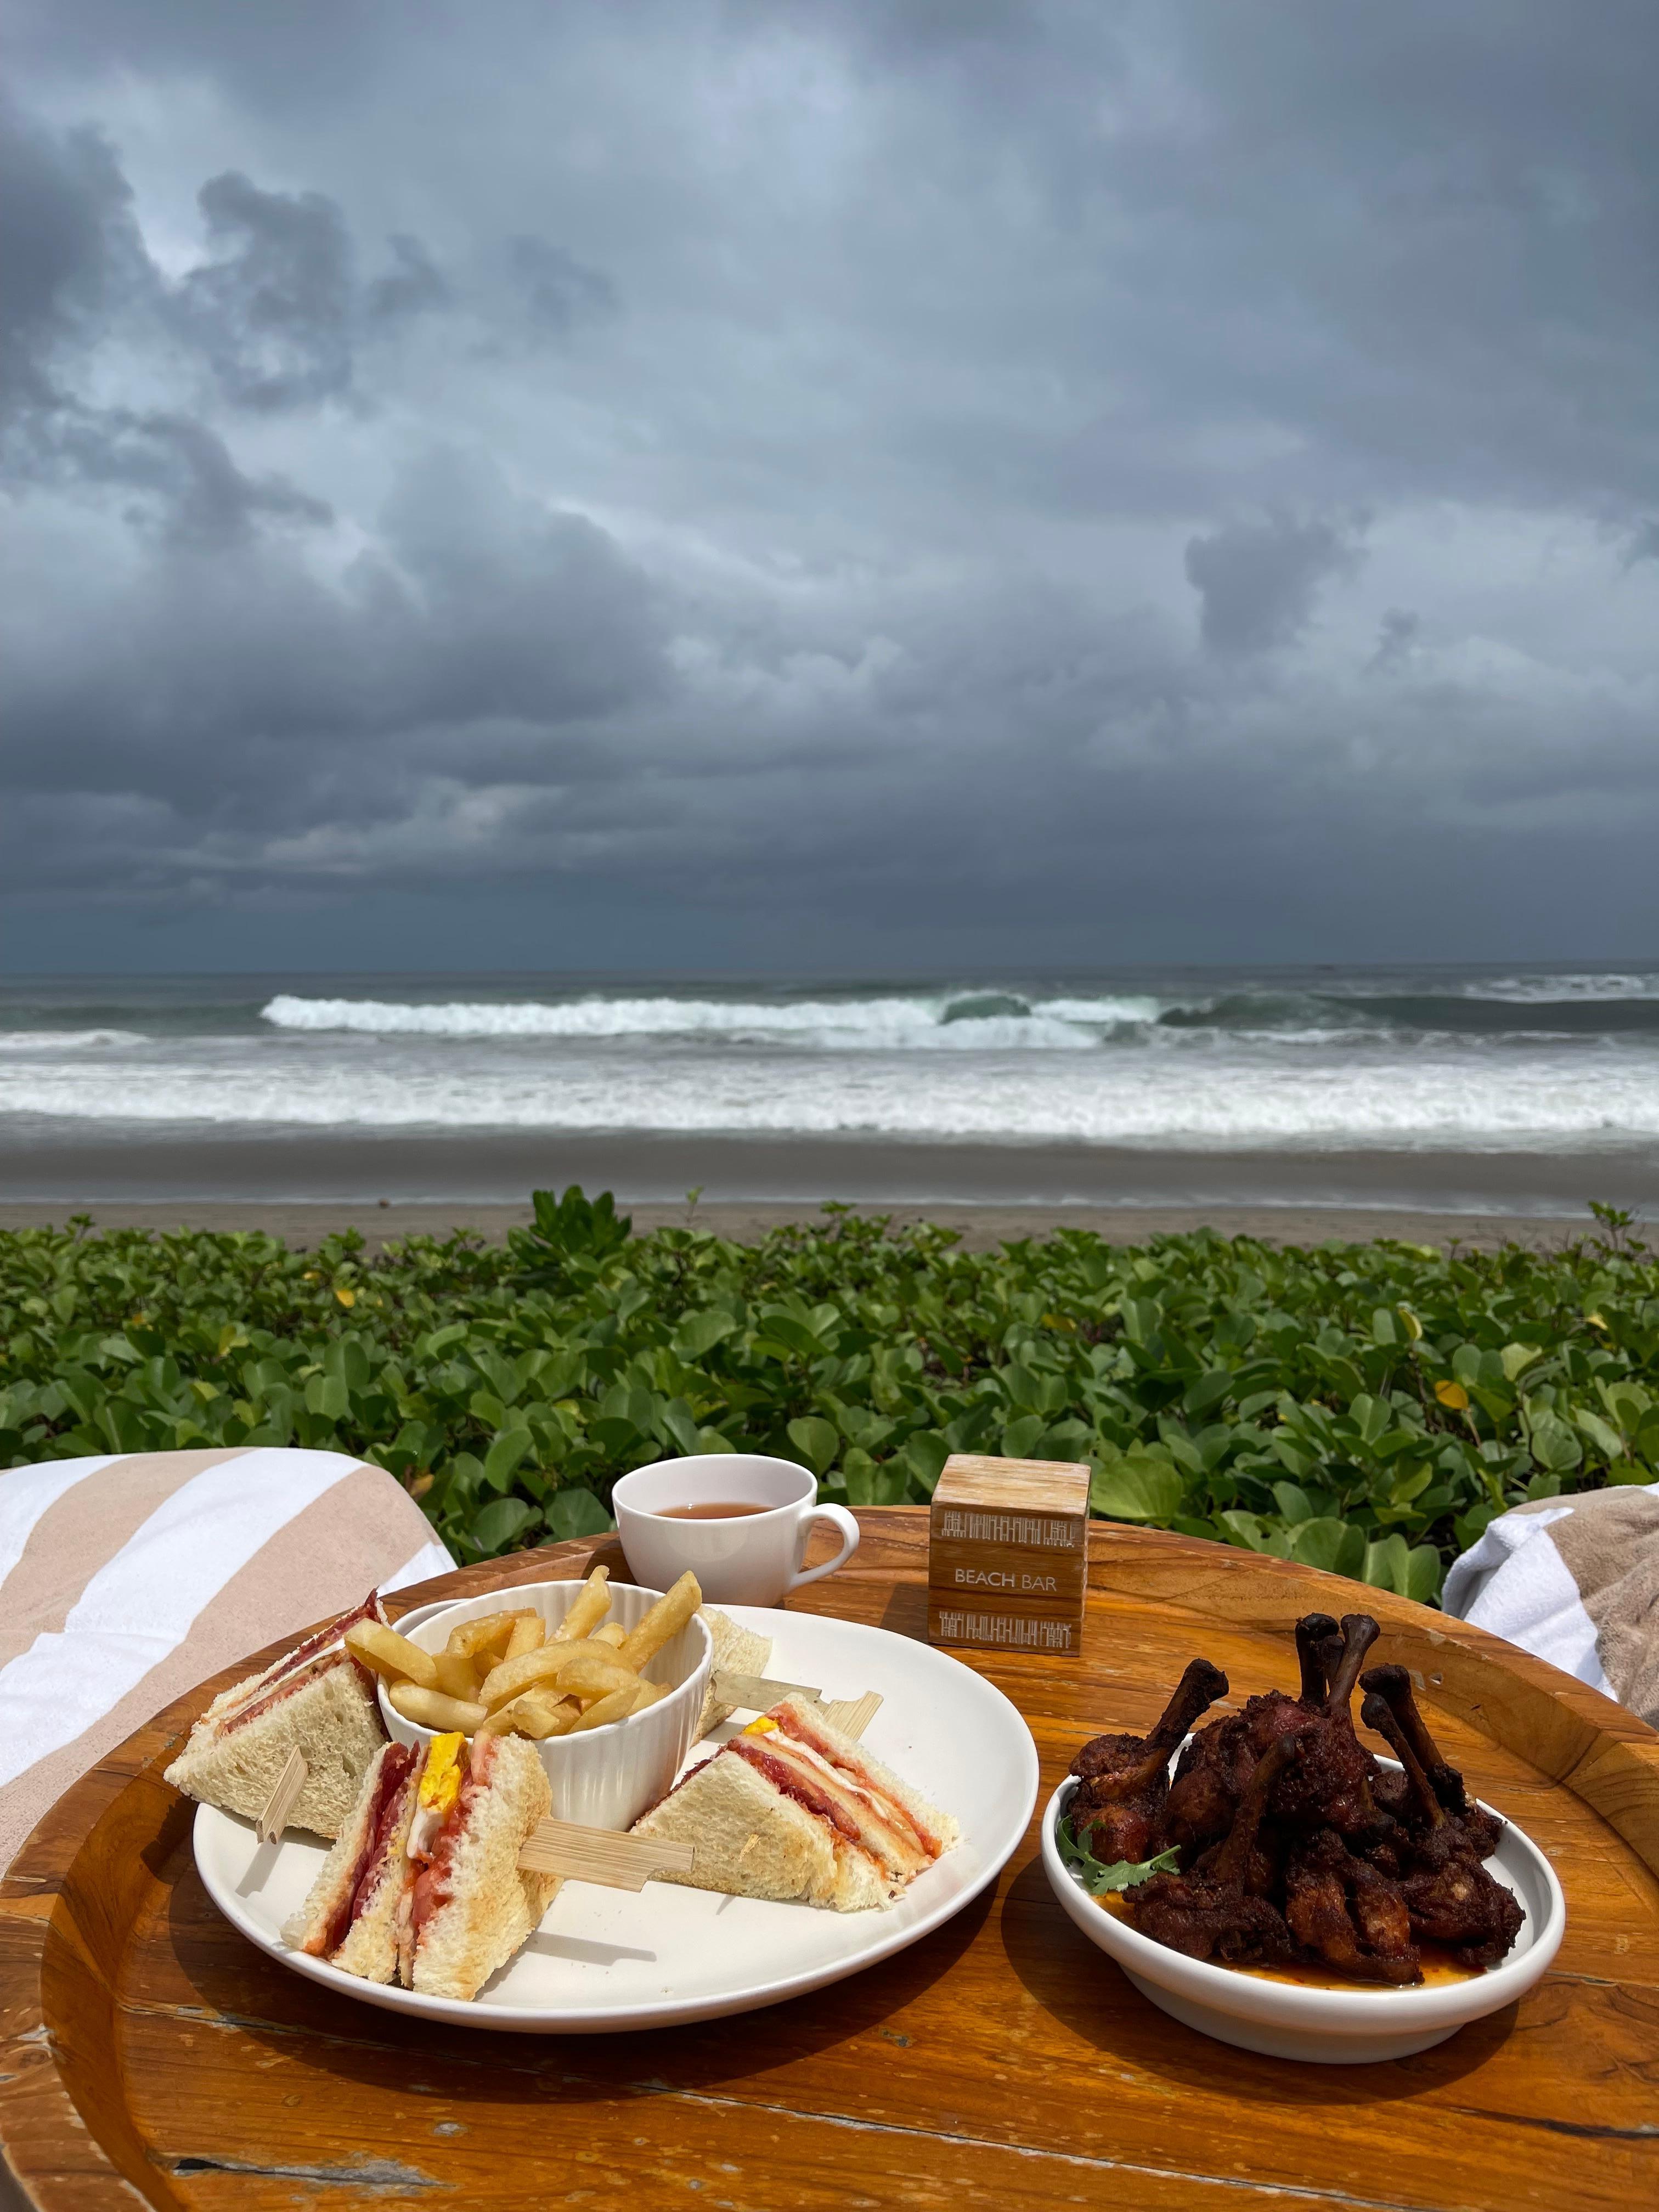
1545 990
946 1022
1193 1091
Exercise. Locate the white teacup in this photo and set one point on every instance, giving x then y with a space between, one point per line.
750 1559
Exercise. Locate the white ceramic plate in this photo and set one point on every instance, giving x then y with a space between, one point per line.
604 1960
1354 2025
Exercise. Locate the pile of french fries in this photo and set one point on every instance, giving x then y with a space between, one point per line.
505 1674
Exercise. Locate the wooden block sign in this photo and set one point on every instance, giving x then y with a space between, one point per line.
1008 1554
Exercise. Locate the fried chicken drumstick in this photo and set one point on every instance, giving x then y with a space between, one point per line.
1295 1843
1125 1779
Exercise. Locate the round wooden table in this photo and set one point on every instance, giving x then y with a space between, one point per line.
149 2056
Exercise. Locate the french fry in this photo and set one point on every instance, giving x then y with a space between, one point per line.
596 1675
648 1693
391 1655
458 1676
587 1609
488 1633
510 1676
431 1709
527 1635
539 1713
665 1618
616 1707
612 1633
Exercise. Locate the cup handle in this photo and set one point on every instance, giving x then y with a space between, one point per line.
849 1543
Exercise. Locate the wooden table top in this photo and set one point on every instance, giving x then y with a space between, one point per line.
149 2056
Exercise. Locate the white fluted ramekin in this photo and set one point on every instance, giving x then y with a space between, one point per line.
605 1777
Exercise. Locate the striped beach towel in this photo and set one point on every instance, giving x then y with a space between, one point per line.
125 1582
1574 1579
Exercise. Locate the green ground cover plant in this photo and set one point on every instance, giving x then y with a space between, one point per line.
1365 1408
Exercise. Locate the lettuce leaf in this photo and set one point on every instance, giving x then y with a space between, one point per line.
1099 1881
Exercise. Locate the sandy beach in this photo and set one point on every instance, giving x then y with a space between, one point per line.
981 1227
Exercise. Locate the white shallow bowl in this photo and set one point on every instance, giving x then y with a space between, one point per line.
605 1959
605 1777
1348 2026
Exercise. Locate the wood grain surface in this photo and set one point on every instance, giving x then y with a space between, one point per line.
149 2056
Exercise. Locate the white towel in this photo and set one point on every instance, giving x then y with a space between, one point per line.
1574 1580
125 1582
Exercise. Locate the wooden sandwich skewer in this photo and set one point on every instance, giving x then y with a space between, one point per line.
284 1796
758 1694
604 1856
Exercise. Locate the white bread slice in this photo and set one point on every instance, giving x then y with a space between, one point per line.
309 1647
334 1720
370 1948
738 1651
752 1841
492 1909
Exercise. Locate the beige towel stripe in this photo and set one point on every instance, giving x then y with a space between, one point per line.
1610 1546
352 1538
82 1531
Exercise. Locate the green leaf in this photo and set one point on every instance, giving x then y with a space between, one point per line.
1294 1502
1101 1881
1607 1441
576 1513
698 1333
1136 1488
924 1456
505 1457
679 1426
328 1396
1387 1565
1423 1574
1373 1417
1554 1443
501 1523
816 1441
1020 1438
1329 1544
1207 1392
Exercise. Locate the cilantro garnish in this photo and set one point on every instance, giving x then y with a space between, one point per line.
1100 1881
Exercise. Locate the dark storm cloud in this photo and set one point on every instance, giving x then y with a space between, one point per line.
70 249
890 458
1257 581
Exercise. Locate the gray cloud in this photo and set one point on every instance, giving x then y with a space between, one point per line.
770 461
272 310
71 247
559 291
1257 581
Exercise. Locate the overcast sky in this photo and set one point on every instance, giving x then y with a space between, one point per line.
924 483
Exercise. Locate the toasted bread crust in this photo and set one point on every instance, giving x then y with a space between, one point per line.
492 1909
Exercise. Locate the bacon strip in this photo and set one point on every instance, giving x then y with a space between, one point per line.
228 1723
430 1890
789 1782
395 1764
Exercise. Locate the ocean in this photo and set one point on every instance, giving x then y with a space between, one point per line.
1533 1087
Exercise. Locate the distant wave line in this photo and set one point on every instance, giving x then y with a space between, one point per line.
43 1041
